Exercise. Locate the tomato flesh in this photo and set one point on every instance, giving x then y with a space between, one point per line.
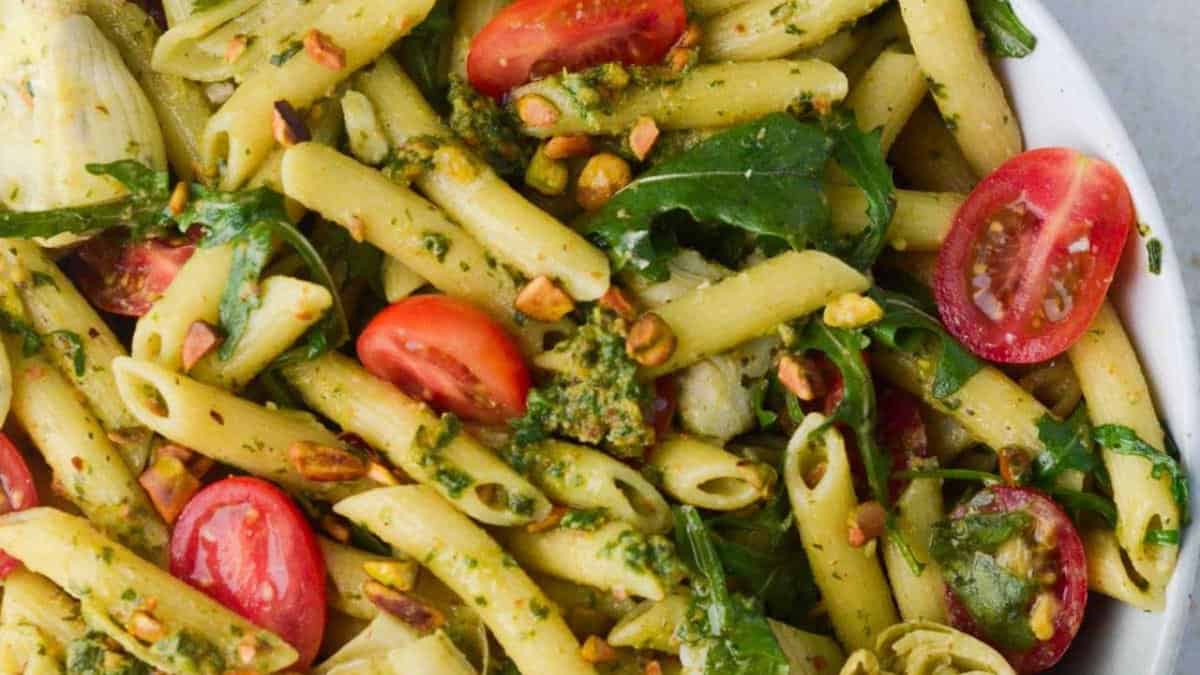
1031 255
127 277
245 544
1070 587
901 433
532 38
18 491
449 354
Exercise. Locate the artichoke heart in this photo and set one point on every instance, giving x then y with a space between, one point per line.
66 100
927 648
715 397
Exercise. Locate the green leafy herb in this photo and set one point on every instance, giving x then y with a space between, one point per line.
1003 30
423 52
1066 446
288 52
909 327
490 130
763 177
996 598
144 207
1124 441
241 296
860 156
728 627
584 519
1077 502
31 342
949 474
43 279
758 396
75 346
1162 537
1154 251
92 655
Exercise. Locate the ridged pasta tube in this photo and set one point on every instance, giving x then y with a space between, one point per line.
706 475
926 648
766 29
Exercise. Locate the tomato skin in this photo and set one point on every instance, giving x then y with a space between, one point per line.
1071 586
450 354
245 543
19 492
901 433
664 405
1024 291
532 38
127 277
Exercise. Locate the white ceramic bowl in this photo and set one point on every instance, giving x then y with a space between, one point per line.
1059 102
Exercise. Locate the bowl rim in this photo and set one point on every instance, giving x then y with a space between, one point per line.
1164 657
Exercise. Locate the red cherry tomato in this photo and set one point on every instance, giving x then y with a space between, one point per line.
447 352
1069 588
1031 255
532 38
126 277
19 492
245 543
901 433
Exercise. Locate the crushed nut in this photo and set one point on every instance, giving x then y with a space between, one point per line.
866 523
170 486
537 111
596 649
357 229
619 303
679 59
1015 464
602 177
381 474
323 463
403 606
651 341
336 528
1041 616
652 668
146 628
691 36
551 520
322 49
793 376
179 198
852 310
566 147
236 47
643 136
287 125
391 573
544 300
202 338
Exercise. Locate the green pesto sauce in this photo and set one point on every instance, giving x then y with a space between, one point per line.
488 129
598 400
587 520
641 553
190 654
454 480
437 244
95 654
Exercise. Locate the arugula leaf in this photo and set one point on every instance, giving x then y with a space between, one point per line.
333 330
993 596
31 342
142 208
241 295
860 156
1124 441
1154 255
857 407
228 215
908 327
729 628
950 474
1066 446
758 397
763 177
1162 537
422 53
1076 502
75 343
1002 29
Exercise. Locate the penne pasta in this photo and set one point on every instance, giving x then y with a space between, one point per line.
194 295
705 475
887 95
345 566
919 597
920 223
766 29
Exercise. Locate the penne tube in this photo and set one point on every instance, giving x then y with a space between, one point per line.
476 198
345 568
716 95
967 92
652 624
1108 572
179 105
53 304
416 521
111 582
879 31
706 8
834 51
433 452
360 655
851 579
399 281
918 596
289 307
33 599
470 16
766 29
227 428
194 295
927 155
1116 392
705 475
887 95
715 318
612 556
587 610
238 138
583 478
92 474
921 221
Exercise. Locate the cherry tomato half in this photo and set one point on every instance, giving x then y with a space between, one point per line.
1031 255
901 433
244 543
1057 544
450 354
532 38
126 277
18 492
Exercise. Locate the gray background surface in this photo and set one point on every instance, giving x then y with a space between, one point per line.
1146 54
